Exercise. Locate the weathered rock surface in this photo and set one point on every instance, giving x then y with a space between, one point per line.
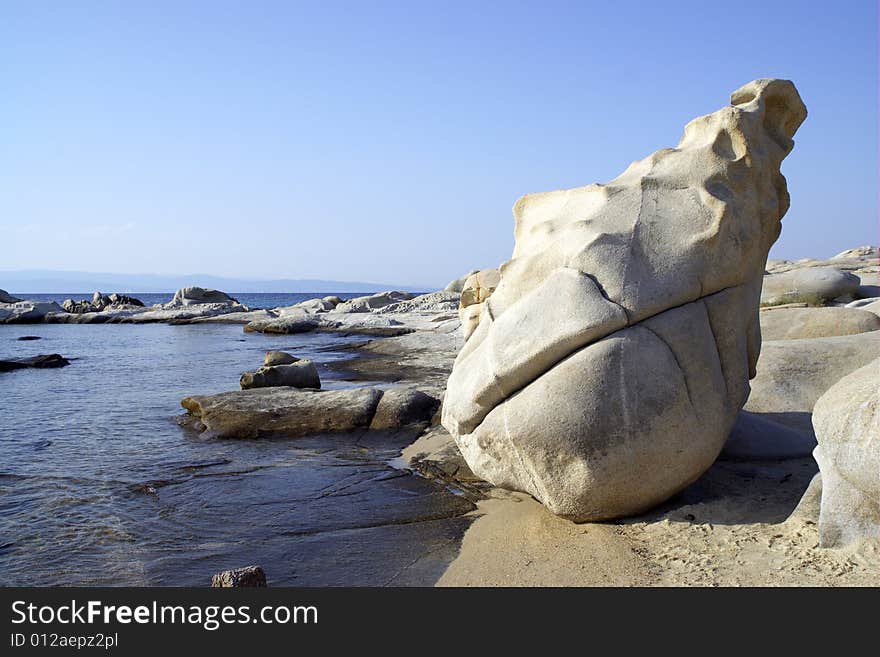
663 265
476 290
249 576
371 302
288 324
847 423
27 312
798 323
42 361
279 358
400 407
433 302
810 285
301 374
793 374
5 297
322 305
101 302
193 296
457 285
294 412
860 259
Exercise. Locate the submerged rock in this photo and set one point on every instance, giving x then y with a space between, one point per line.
249 576
663 265
41 361
847 424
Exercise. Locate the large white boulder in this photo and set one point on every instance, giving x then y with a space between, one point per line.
612 358
847 424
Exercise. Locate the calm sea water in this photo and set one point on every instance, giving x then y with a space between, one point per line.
100 486
251 300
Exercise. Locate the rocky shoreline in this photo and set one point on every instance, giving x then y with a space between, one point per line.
758 504
755 505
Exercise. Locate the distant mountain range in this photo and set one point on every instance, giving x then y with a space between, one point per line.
39 281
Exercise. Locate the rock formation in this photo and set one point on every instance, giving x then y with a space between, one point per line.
812 285
249 576
279 358
800 323
371 302
300 374
475 291
457 285
610 362
847 424
101 302
190 296
295 413
5 297
27 312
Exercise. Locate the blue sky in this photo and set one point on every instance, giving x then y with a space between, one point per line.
388 141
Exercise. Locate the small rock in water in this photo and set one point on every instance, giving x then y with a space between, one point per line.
30 337
249 576
299 374
279 358
41 361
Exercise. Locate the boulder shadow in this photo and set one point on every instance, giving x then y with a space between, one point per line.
739 492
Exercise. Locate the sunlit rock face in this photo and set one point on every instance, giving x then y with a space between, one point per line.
609 363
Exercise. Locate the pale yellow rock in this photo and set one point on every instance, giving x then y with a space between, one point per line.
610 362
800 323
847 424
478 287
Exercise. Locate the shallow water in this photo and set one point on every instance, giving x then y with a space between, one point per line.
99 486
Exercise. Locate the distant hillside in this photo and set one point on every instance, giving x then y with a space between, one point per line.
47 281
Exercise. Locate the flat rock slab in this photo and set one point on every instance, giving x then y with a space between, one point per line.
800 323
793 374
41 362
294 412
